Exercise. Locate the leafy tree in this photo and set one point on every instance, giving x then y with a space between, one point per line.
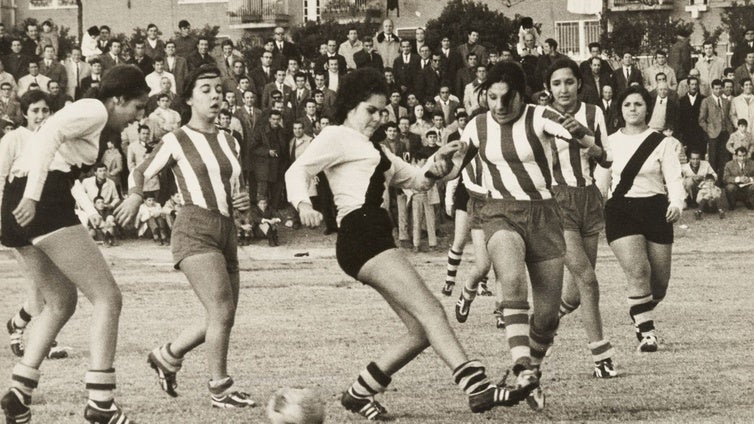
642 32
210 32
310 35
736 19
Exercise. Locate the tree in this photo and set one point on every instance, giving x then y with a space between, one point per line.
642 32
736 19
311 34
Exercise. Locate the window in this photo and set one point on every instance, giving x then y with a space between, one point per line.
312 10
52 4
575 36
201 1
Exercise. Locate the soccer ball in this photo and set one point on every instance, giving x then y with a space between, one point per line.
296 406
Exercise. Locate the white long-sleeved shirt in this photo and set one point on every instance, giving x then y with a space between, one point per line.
67 139
660 174
349 160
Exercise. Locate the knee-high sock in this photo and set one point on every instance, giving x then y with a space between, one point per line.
601 350
371 381
471 377
21 318
516 317
100 384
566 308
454 261
25 379
166 359
641 310
539 341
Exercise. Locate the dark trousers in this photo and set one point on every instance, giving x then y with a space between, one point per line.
733 192
718 154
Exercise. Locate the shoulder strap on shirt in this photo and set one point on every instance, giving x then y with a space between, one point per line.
633 166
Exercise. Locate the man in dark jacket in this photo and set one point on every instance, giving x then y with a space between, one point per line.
367 57
269 157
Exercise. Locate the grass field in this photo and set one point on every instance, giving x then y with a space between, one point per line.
302 322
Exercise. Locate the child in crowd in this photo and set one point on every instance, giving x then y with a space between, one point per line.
150 218
244 226
422 202
105 230
740 138
264 222
708 197
49 37
171 208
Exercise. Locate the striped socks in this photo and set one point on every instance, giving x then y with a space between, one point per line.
641 310
468 293
538 344
220 387
21 319
471 377
601 350
516 317
100 385
371 381
25 379
166 359
566 308
454 261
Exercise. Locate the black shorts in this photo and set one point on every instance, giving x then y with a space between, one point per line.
197 230
628 216
460 197
363 234
55 209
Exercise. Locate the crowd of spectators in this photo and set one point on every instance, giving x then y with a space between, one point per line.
277 103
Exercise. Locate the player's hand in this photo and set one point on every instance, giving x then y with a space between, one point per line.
673 214
241 201
126 211
95 220
308 216
443 163
574 127
25 211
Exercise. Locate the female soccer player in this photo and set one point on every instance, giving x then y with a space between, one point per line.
580 203
358 170
205 163
510 160
38 210
647 199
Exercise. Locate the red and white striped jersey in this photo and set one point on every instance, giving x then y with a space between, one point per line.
512 161
205 166
572 165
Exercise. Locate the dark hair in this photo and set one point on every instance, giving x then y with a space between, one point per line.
563 64
96 166
691 78
169 42
430 132
552 43
660 73
744 80
726 80
158 58
93 31
144 127
309 100
31 97
695 152
716 82
509 72
95 60
742 122
183 24
150 26
204 70
460 115
97 197
635 89
391 125
709 177
161 96
275 112
226 42
593 45
729 70
225 112
355 88
741 149
104 28
125 81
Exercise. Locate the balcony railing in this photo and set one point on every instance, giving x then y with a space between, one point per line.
630 5
349 10
258 12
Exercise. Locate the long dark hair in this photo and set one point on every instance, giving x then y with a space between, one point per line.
125 81
510 73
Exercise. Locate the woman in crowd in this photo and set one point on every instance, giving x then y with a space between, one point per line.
38 211
580 203
205 163
647 199
421 125
358 170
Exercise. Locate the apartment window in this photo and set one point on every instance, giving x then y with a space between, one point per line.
312 10
52 4
201 1
575 36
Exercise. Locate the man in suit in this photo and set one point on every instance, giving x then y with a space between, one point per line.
472 46
276 85
387 44
739 179
465 76
263 74
665 111
16 63
662 79
112 57
714 118
367 57
309 116
200 56
328 96
268 147
176 65
412 142
660 67
594 80
451 60
229 58
691 133
153 46
10 109
595 52
185 42
248 115
743 47
744 71
300 95
679 57
446 105
627 75
394 108
470 95
31 44
51 68
33 77
406 68
237 71
95 76
76 70
350 47
333 74
332 51
103 43
609 109
710 68
140 59
551 54
430 79
282 48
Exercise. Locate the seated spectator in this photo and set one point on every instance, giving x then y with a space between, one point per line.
740 138
739 182
105 230
98 185
264 223
113 161
164 119
10 108
33 77
693 174
171 208
708 197
150 217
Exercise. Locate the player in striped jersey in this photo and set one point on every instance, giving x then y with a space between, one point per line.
509 165
580 202
205 164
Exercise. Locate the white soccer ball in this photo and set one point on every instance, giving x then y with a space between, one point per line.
296 406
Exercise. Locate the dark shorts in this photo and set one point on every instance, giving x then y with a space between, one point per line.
55 209
460 198
473 209
197 230
628 216
538 222
363 234
581 207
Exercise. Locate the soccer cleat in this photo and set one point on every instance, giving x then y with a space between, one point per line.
367 408
721 213
698 215
57 352
648 344
232 400
447 289
463 306
15 405
98 415
536 399
494 396
499 320
166 378
605 369
16 338
483 290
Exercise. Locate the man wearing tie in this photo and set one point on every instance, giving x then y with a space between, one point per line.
367 57
262 75
112 57
276 85
609 109
665 112
424 57
710 68
743 47
176 65
739 179
430 79
406 68
76 70
627 75
51 68
34 77
714 119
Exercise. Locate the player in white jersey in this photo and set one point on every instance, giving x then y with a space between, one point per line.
38 211
581 205
205 163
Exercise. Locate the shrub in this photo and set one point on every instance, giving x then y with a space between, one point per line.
642 32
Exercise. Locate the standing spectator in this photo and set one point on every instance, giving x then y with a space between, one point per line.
300 94
140 59
228 60
742 106
710 67
728 89
99 185
740 138
662 79
587 67
328 96
163 120
424 58
627 75
472 46
470 93
112 57
10 109
683 85
421 123
248 115
739 179
113 161
411 142
137 152
551 54
166 87
262 75
392 85
333 73
367 57
283 48
58 98
743 48
679 57
694 172
76 70
4 41
51 68
309 117
419 40
176 65
609 109
745 71
466 75
95 77
16 62
89 43
31 43
664 116
201 55
714 119
691 135
595 78
154 79
331 51
103 41
7 77
451 60
185 43
33 77
660 65
445 105
394 108
350 47
266 150
154 47
422 202
276 86
387 44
